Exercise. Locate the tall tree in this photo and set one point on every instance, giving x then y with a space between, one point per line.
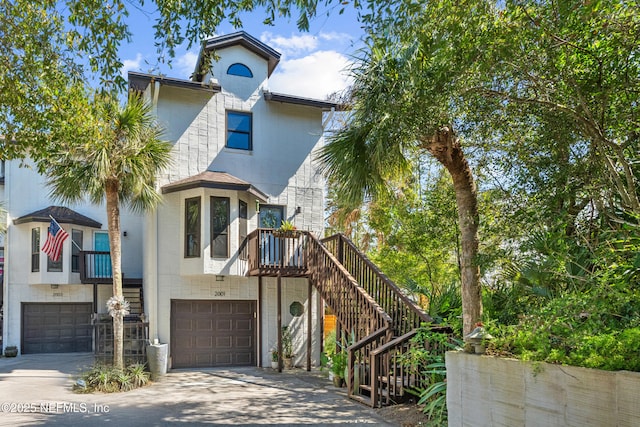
116 164
403 95
561 78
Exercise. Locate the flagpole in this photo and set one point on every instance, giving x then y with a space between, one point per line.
75 244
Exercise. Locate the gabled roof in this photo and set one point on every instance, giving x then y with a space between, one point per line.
291 99
217 180
140 81
61 214
243 39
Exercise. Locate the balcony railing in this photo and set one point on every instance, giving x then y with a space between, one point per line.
272 252
95 267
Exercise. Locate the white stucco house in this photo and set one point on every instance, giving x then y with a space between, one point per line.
243 160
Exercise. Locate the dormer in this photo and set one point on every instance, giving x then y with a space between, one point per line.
240 63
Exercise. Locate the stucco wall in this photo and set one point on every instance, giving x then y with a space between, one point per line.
490 391
25 191
280 164
246 288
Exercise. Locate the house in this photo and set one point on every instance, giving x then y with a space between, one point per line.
243 160
210 271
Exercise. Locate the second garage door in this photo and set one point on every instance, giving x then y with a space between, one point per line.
56 328
213 333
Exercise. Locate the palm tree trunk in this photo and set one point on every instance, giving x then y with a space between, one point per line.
445 147
113 218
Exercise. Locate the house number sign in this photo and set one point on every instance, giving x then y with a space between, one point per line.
219 293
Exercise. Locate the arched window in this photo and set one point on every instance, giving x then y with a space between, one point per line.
238 69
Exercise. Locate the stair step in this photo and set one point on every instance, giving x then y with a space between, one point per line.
384 392
133 296
362 399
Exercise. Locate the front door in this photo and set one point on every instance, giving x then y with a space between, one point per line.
102 263
270 217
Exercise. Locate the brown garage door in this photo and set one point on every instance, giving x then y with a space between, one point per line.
212 333
56 327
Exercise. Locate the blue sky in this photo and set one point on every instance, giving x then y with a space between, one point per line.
313 64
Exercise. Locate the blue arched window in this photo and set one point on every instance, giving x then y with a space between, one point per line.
238 69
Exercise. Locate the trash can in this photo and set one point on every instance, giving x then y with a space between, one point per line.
157 356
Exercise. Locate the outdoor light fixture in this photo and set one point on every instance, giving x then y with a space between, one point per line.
219 278
478 339
299 210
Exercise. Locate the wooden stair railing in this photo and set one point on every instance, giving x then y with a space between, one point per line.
406 314
357 313
383 379
394 378
355 310
370 309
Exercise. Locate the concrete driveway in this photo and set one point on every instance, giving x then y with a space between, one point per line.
36 390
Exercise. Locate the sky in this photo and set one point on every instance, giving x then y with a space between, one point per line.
313 64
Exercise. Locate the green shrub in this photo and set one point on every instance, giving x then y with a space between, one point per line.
595 329
330 343
107 379
339 364
425 359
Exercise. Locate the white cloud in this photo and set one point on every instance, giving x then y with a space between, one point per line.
185 64
334 36
131 64
294 45
313 76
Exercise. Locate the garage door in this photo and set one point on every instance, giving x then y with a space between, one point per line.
56 328
213 333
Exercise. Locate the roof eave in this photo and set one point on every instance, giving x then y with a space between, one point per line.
248 188
296 100
140 81
247 41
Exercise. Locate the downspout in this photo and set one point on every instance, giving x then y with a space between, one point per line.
6 312
155 94
328 119
5 286
152 286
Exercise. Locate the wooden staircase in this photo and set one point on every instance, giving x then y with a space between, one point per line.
372 313
133 294
376 376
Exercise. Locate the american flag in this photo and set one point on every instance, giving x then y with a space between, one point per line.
53 246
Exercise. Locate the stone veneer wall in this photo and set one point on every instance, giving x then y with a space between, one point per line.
491 391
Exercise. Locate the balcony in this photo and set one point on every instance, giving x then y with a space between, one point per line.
95 267
265 252
273 252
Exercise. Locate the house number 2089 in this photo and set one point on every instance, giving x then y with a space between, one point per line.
218 293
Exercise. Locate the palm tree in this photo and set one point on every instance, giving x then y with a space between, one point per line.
396 116
117 164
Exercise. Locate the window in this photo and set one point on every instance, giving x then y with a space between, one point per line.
219 227
55 266
271 216
192 227
35 249
242 215
238 69
76 247
242 226
239 130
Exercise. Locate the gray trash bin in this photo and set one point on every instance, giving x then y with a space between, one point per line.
157 355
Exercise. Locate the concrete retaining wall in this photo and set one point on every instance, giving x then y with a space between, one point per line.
490 391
